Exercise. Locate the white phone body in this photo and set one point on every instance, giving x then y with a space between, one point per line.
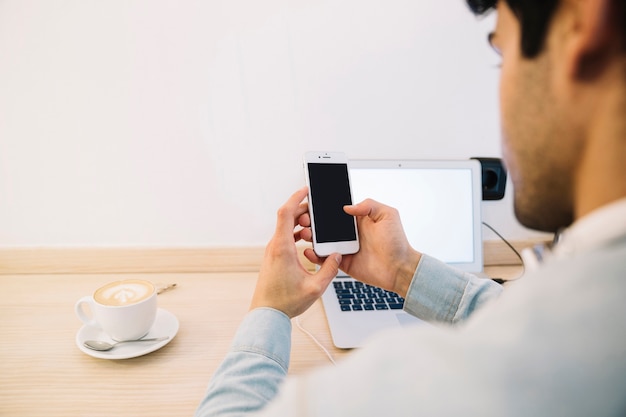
328 178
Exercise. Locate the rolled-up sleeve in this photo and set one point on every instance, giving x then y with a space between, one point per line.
441 293
257 363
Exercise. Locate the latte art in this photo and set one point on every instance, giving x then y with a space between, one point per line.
124 293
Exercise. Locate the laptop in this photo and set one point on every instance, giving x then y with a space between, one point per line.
439 204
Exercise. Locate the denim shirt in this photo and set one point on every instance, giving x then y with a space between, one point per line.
552 344
253 370
258 360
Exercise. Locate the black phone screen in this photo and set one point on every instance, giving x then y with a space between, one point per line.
330 191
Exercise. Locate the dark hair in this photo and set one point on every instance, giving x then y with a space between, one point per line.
534 17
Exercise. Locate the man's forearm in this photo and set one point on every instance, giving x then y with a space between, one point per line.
441 293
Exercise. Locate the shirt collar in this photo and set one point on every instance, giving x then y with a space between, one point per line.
599 227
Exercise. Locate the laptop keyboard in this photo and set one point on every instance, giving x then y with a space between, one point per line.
357 296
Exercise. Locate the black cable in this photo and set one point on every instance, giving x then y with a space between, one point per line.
505 241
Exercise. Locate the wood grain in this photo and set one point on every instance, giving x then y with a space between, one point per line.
42 371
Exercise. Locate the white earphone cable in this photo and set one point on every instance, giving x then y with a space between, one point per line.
317 342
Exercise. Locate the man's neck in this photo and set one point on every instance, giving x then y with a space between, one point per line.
601 177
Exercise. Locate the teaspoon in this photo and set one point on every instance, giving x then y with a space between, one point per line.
104 346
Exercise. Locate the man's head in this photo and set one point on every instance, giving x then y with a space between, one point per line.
563 104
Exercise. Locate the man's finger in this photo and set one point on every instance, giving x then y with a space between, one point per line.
289 213
329 269
370 208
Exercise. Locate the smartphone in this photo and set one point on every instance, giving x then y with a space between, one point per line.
328 179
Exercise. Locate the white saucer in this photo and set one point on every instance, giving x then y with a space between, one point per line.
165 324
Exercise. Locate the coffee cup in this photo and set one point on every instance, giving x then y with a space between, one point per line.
125 310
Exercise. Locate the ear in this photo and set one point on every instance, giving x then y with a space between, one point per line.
596 36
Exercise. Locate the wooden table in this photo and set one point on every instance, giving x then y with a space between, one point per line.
43 373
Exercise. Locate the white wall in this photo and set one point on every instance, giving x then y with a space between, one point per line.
164 123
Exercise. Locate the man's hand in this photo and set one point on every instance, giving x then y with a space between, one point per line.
385 259
284 283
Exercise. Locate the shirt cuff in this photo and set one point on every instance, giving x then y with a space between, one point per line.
435 291
265 331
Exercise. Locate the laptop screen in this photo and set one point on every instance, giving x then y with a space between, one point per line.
438 202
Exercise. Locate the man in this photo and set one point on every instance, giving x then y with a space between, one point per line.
553 343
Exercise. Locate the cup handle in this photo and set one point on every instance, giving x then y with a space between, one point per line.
80 312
